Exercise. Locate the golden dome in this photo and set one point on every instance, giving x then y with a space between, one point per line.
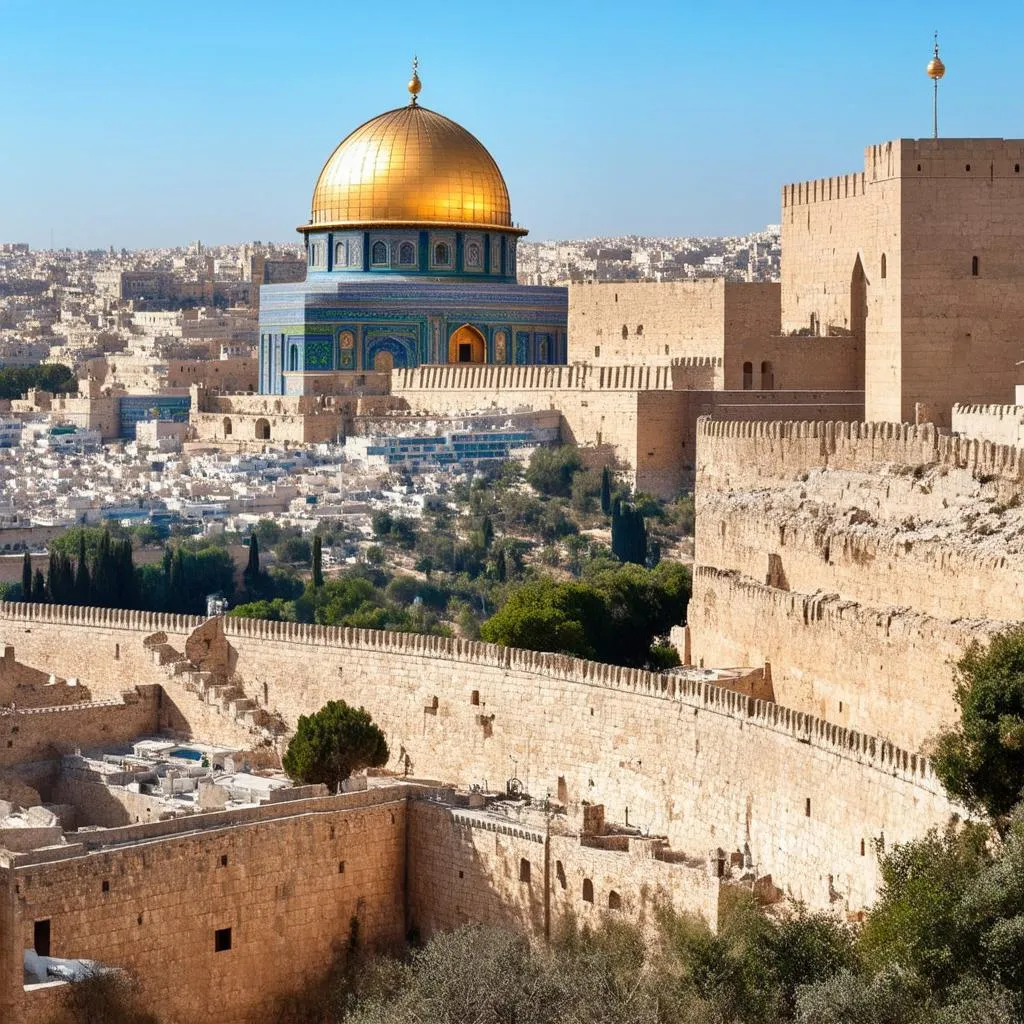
410 166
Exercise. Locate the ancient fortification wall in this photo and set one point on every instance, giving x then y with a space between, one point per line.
704 766
654 323
468 868
859 559
35 734
743 455
287 884
878 669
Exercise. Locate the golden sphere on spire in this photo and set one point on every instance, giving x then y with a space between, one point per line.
414 85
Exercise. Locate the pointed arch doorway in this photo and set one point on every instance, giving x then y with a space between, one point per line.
467 345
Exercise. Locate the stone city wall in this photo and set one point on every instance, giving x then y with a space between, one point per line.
860 559
469 868
702 765
36 734
877 669
653 323
821 550
744 455
288 881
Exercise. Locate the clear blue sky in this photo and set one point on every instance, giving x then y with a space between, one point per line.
146 124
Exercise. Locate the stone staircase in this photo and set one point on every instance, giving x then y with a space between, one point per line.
228 697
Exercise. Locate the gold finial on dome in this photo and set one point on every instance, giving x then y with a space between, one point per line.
936 69
414 83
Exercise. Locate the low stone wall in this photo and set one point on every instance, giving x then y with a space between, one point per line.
36 734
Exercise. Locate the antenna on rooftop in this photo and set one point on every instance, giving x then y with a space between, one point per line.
935 70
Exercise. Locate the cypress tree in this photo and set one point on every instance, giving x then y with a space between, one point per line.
252 570
39 587
318 562
83 584
104 582
500 566
487 530
618 531
177 588
606 491
26 577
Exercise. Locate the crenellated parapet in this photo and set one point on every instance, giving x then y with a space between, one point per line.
780 448
824 190
578 377
695 693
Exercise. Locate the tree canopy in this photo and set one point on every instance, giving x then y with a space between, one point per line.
613 614
981 761
331 744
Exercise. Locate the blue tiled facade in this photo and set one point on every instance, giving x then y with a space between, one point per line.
346 322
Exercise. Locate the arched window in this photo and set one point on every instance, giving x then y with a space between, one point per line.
588 891
227 426
379 254
473 255
407 254
262 430
293 359
883 266
625 332
974 266
748 376
442 254
614 901
767 376
340 256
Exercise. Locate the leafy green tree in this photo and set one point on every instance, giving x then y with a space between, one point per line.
544 615
294 550
331 744
550 470
277 610
981 761
54 377
918 923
